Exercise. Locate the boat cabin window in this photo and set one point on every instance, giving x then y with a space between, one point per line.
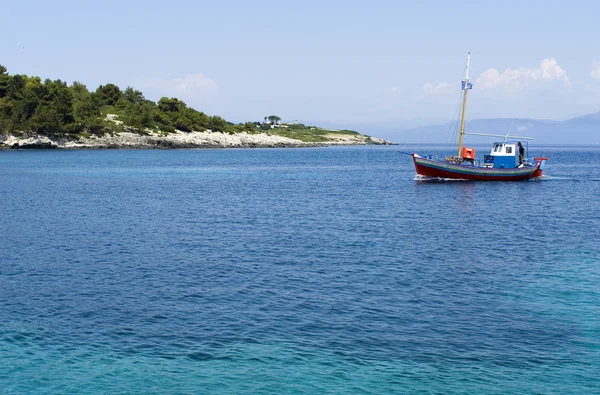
509 150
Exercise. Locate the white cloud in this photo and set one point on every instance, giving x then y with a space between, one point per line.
191 86
596 71
427 92
511 79
590 98
435 90
544 91
395 103
438 94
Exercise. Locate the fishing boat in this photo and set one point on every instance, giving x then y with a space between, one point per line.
508 159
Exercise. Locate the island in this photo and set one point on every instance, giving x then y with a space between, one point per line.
52 114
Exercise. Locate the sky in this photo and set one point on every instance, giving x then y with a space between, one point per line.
395 63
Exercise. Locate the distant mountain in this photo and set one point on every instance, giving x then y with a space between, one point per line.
579 130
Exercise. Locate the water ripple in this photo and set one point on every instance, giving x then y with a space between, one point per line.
294 271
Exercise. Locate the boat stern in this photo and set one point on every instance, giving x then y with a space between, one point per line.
540 167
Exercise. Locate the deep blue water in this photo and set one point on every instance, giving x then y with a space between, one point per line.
324 270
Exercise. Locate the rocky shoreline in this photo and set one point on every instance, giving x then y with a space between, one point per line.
179 139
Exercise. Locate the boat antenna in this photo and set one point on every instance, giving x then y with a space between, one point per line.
466 85
509 129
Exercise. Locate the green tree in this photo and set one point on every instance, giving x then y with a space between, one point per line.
163 120
61 100
181 116
85 109
6 110
139 115
133 96
201 120
17 86
26 102
274 118
218 124
96 125
5 81
108 94
79 90
128 98
167 105
185 120
46 121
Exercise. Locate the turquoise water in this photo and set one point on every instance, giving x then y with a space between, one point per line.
295 271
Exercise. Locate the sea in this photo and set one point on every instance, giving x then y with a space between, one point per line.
295 271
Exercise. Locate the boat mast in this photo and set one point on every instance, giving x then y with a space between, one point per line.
465 86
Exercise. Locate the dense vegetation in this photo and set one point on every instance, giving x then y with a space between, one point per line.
53 108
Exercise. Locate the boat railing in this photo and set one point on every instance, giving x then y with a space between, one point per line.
471 162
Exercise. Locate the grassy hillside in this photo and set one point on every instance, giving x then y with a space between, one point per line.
309 133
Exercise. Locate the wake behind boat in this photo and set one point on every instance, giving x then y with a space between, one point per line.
502 164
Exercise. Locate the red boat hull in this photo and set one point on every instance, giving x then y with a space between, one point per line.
438 169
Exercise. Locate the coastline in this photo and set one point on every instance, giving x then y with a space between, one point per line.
179 139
